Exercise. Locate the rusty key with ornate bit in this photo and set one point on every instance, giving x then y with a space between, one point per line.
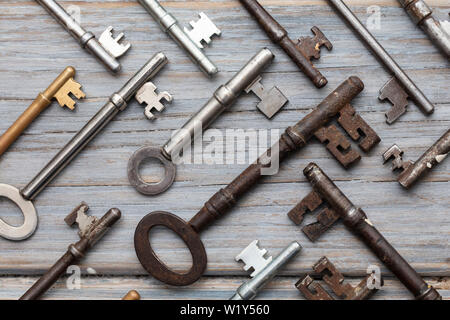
91 229
334 279
412 171
302 51
337 205
294 138
60 90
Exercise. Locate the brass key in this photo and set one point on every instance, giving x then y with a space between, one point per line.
60 90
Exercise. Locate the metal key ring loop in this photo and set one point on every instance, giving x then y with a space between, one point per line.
150 260
30 218
135 178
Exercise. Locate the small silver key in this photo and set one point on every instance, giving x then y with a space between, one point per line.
147 94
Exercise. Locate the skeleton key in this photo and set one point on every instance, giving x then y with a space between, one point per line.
400 86
60 89
107 49
190 40
264 269
222 99
422 15
91 229
412 171
132 295
117 102
294 138
312 290
301 52
356 220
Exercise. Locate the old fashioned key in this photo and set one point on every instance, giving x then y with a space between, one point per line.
107 49
117 102
334 279
294 138
263 269
247 79
337 205
60 90
91 229
191 40
302 51
422 15
412 171
400 87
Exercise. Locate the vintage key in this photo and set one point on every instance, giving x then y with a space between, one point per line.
400 86
60 89
302 51
294 138
132 295
107 49
334 279
224 97
422 15
412 171
191 40
338 206
263 269
117 102
91 229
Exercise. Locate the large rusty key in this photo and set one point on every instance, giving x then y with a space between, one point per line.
294 138
337 205
60 89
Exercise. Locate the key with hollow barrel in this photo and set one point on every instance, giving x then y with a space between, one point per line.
337 205
91 230
400 86
191 41
247 79
117 102
107 49
60 90
293 139
412 171
302 51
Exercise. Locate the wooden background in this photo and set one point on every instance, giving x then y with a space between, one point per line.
34 49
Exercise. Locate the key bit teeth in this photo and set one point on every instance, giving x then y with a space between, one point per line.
253 258
395 154
81 218
202 30
71 218
70 87
310 46
147 94
397 96
272 100
113 45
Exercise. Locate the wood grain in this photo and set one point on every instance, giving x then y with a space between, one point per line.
35 49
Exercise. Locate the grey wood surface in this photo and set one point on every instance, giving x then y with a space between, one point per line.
34 49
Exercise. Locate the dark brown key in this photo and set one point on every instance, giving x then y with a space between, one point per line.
91 230
339 206
334 279
302 51
293 139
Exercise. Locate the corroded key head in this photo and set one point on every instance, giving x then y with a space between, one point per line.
396 95
395 154
310 46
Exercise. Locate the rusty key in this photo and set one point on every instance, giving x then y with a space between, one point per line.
91 230
312 290
293 139
60 89
302 51
412 171
337 205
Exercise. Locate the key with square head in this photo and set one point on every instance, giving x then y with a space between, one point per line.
294 139
410 171
91 229
263 269
400 86
117 102
107 49
191 40
61 90
302 51
334 279
338 206
224 97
